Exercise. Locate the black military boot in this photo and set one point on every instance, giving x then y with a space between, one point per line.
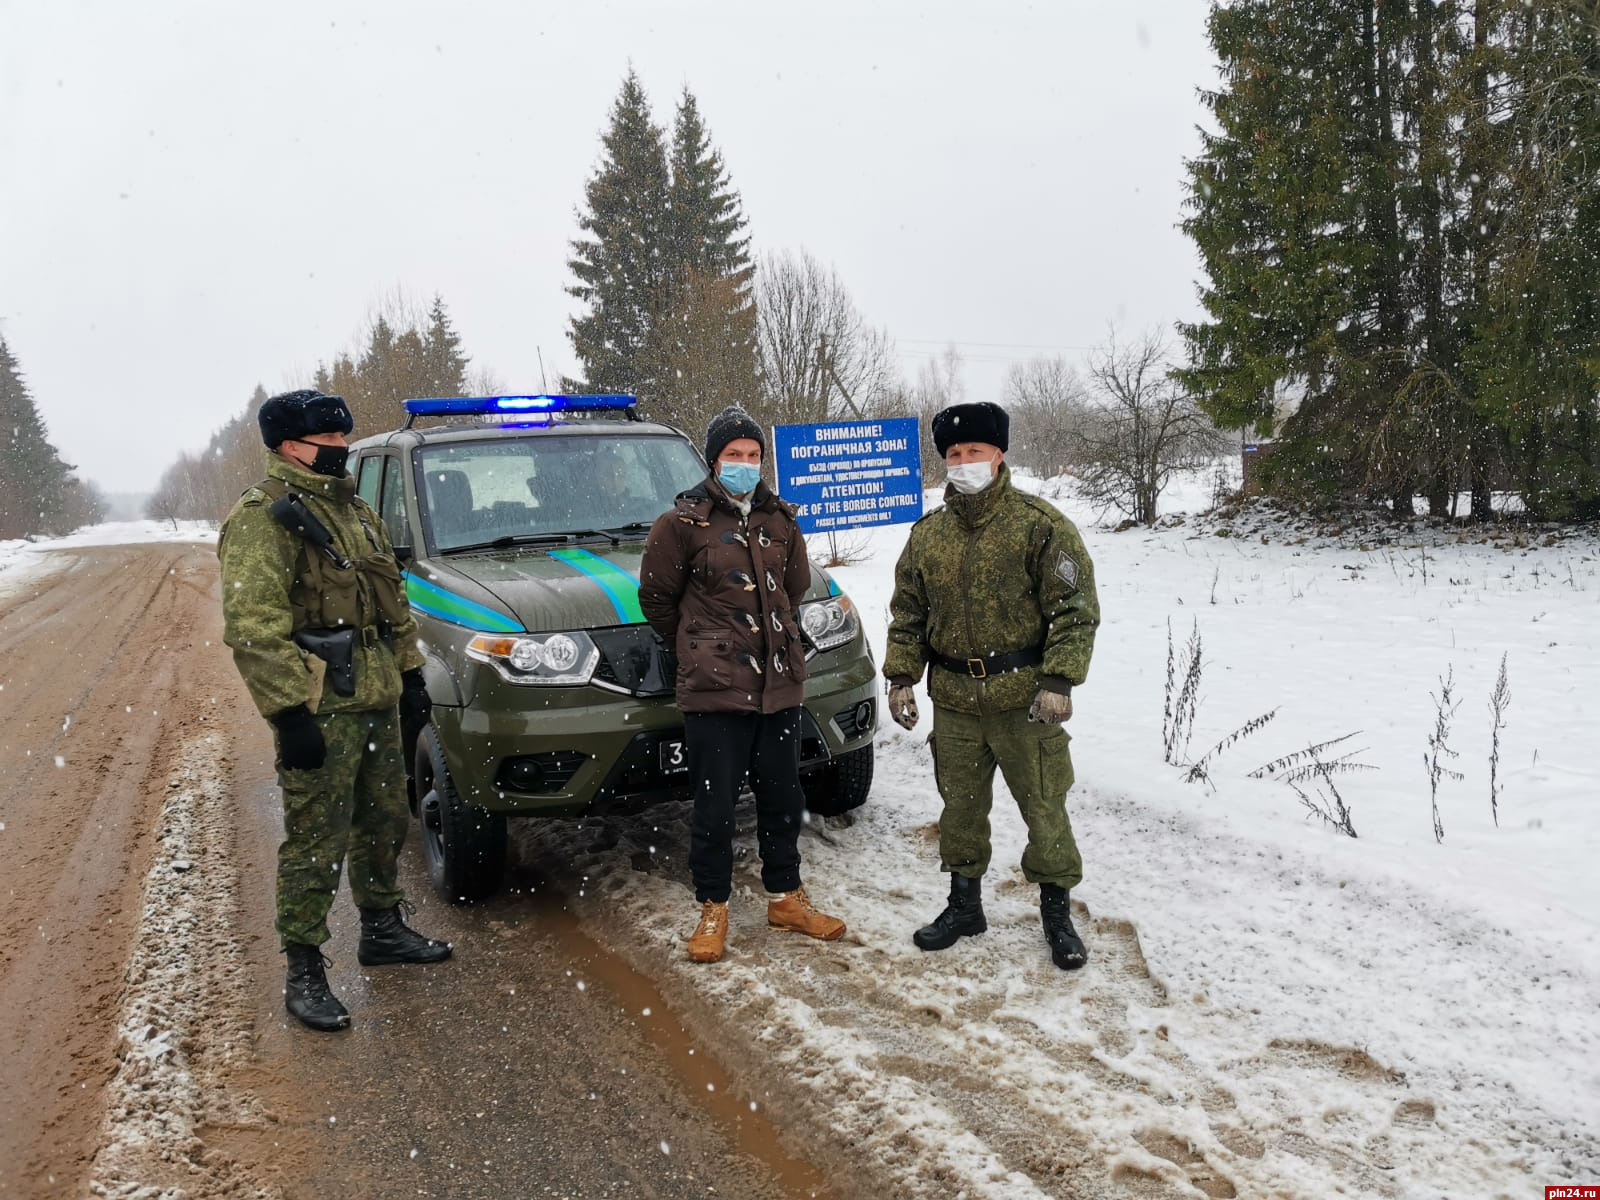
386 938
1066 947
962 917
305 990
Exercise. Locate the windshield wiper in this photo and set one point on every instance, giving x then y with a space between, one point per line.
506 542
604 533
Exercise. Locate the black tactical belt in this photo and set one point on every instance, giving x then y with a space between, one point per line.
991 664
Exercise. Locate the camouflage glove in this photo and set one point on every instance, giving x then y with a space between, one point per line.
1051 708
415 706
300 743
903 705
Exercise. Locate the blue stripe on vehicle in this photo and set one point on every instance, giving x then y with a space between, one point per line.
621 588
438 602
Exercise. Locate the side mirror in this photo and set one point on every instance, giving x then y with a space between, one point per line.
403 554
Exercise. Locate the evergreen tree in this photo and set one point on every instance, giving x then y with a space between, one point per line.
444 365
709 336
35 485
1535 150
1389 211
619 263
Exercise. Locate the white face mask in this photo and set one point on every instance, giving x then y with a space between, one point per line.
969 478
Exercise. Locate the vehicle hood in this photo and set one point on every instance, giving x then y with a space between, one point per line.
543 589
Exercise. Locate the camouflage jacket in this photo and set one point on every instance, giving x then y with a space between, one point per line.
723 589
274 584
992 573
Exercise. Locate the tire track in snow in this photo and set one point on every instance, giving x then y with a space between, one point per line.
937 1074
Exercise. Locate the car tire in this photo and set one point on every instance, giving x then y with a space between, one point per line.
841 785
464 845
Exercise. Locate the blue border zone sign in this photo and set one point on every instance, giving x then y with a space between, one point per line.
850 474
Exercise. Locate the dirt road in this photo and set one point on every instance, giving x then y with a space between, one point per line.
146 1052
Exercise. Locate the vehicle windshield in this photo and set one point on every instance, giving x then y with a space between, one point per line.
474 493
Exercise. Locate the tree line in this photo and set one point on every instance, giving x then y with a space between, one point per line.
1397 209
1398 212
40 493
405 352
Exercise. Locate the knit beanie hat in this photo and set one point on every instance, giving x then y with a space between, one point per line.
732 422
982 422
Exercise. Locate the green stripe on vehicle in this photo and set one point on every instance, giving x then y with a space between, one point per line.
434 600
620 588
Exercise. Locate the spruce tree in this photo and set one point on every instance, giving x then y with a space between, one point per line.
1287 212
34 482
444 365
1536 354
619 263
709 334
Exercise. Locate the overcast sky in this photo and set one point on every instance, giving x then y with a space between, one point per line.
196 197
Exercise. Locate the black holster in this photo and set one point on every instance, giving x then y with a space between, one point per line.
337 648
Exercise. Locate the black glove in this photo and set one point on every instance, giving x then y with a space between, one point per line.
300 744
415 706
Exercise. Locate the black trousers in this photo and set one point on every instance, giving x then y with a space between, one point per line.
722 749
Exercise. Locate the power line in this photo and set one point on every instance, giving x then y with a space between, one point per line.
984 345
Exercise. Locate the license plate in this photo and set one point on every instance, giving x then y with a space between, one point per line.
674 757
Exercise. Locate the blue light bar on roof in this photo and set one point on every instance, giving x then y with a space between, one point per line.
490 405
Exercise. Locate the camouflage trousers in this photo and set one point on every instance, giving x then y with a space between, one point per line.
353 808
1037 766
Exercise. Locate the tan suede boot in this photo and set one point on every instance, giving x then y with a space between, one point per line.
711 935
794 911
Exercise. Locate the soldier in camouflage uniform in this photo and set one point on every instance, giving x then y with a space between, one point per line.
995 594
336 716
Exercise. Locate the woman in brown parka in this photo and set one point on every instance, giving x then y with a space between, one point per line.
721 582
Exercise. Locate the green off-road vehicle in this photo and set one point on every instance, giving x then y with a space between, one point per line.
520 526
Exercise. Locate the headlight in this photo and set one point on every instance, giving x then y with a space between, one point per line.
829 623
538 659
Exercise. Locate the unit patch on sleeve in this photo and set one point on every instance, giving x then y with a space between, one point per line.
1067 570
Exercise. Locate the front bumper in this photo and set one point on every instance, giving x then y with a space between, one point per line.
566 752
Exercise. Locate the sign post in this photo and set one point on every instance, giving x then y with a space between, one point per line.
850 475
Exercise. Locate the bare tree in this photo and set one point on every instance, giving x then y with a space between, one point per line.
814 346
1141 427
939 384
1049 405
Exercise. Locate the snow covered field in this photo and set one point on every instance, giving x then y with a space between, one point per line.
1270 1008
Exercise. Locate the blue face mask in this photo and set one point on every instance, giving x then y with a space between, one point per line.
738 478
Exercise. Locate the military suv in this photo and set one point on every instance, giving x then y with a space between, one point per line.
520 523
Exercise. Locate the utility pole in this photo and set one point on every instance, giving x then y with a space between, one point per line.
825 362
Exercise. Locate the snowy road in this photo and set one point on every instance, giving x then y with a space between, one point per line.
146 1055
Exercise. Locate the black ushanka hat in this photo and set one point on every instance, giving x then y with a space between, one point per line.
981 422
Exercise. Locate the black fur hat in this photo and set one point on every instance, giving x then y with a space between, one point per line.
290 416
732 422
982 422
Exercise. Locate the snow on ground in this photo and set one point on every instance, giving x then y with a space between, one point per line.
1270 1008
180 1030
19 554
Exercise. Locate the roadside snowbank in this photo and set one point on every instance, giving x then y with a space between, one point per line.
185 1016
